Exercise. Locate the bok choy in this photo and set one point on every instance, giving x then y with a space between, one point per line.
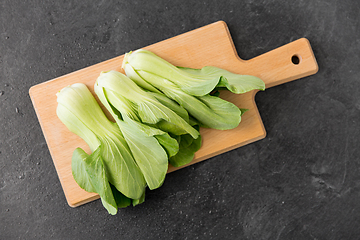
186 86
111 161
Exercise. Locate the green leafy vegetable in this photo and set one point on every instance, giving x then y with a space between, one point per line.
121 200
82 115
187 149
138 201
179 110
207 109
89 172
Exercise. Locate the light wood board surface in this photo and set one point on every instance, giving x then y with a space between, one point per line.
210 45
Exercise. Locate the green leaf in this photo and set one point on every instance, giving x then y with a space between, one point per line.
170 145
96 170
235 83
92 172
124 173
121 200
148 153
169 127
225 115
187 149
194 122
179 110
167 120
78 169
243 110
138 80
138 201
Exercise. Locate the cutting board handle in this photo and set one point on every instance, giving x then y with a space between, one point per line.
284 64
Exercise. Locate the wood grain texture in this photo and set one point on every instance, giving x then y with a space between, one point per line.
209 45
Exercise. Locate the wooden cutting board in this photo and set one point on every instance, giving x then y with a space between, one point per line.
208 45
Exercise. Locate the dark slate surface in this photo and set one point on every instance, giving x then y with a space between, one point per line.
301 182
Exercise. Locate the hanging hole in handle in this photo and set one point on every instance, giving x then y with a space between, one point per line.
296 59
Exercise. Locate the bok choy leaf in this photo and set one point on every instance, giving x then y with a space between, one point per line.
235 83
187 149
89 172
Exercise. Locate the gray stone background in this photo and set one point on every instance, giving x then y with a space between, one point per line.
301 182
